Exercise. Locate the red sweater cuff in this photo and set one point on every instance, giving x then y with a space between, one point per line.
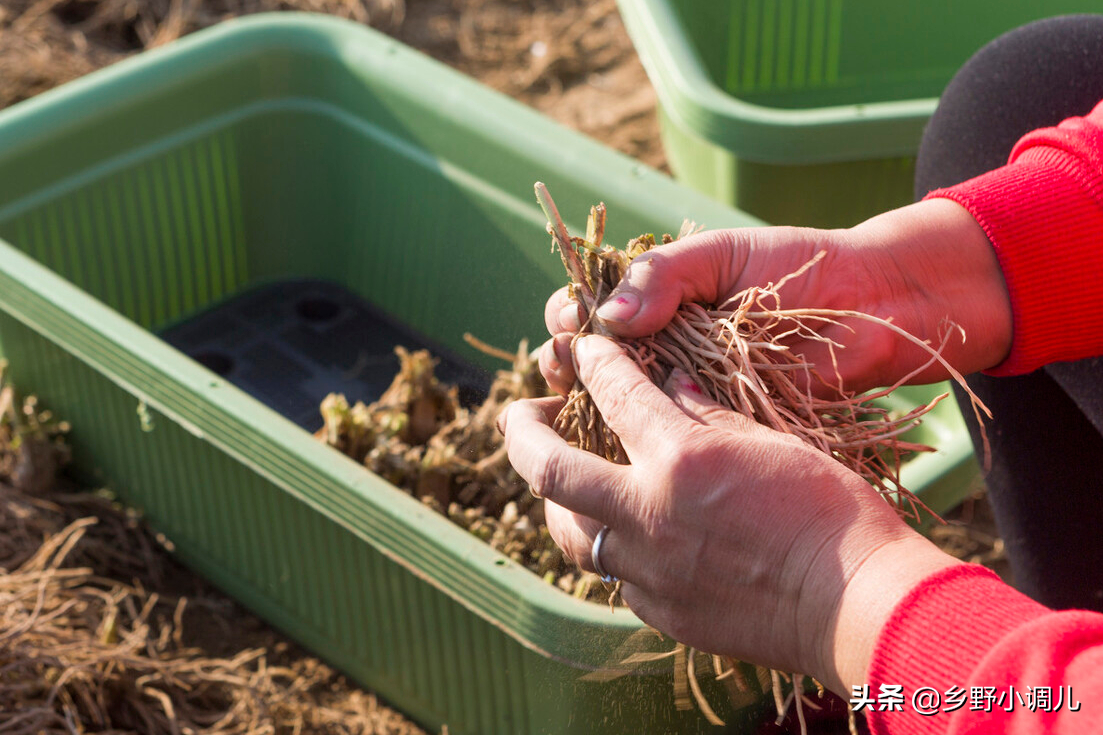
1044 221
936 637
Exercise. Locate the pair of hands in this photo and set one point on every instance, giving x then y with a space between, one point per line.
728 536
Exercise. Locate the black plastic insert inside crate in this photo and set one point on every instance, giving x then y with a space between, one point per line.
290 344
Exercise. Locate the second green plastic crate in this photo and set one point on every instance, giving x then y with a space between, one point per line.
809 112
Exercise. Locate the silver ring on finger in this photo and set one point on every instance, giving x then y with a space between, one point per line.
595 556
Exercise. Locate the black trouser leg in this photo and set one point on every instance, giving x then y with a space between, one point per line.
1046 478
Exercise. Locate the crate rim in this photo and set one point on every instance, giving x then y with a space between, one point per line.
756 132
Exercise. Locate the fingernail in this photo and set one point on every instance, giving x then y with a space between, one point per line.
590 347
619 308
568 317
680 380
550 356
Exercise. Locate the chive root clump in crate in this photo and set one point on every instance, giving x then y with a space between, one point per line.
420 438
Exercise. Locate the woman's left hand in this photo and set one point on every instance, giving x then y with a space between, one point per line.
728 536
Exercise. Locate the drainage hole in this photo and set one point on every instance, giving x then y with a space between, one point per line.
216 362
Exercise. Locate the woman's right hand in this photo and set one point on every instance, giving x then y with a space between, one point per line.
925 267
728 536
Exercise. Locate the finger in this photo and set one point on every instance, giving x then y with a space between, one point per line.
573 533
577 534
687 395
549 407
632 406
562 313
577 480
672 616
699 268
555 363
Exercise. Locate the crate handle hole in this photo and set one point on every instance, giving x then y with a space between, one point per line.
317 309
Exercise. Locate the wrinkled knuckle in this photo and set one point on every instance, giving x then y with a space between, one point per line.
607 379
676 462
720 416
792 440
549 475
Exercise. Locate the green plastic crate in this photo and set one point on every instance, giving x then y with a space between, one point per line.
299 146
809 112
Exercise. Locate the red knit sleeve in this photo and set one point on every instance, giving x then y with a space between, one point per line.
1043 213
965 653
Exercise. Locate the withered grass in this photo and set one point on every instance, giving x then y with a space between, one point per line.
101 632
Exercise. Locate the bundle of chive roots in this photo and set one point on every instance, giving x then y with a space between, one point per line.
739 353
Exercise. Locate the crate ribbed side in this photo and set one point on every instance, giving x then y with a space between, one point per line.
783 45
154 239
